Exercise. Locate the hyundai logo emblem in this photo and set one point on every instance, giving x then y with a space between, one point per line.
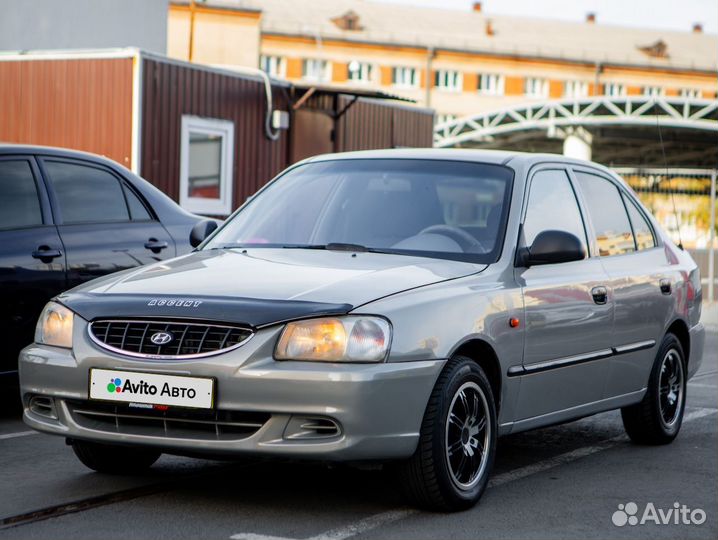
161 338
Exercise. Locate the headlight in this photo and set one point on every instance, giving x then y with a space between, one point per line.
340 339
55 326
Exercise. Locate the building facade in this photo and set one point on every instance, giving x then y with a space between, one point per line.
27 25
458 63
201 134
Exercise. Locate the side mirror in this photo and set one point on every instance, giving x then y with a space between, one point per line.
201 230
551 247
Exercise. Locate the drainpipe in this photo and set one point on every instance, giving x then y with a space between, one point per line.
711 249
430 54
192 7
597 79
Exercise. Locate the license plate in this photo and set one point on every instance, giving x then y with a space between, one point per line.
151 388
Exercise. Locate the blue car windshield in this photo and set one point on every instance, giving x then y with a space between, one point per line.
429 208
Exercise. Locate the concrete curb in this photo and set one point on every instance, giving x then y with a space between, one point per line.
709 316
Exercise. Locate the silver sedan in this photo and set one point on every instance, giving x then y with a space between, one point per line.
402 307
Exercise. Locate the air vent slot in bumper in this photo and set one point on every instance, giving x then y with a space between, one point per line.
311 428
216 425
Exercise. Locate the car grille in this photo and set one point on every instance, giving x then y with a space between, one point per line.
210 425
188 339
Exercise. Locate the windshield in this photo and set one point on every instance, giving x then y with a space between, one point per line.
431 208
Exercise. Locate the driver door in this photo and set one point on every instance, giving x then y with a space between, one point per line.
567 319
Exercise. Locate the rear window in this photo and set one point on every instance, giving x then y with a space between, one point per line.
86 194
614 235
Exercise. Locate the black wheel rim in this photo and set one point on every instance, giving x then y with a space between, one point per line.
670 388
467 439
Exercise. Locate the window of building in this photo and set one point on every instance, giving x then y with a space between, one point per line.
692 93
536 87
641 229
441 118
86 194
360 72
653 91
608 215
491 84
206 157
448 79
405 77
314 69
550 190
274 66
19 204
348 21
575 89
614 90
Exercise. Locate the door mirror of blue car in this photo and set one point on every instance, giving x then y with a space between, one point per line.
202 230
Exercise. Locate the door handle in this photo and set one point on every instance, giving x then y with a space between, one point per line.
600 295
155 245
665 285
46 254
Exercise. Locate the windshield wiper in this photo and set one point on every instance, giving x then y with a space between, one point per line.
331 246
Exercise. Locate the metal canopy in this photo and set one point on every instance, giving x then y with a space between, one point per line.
624 130
318 89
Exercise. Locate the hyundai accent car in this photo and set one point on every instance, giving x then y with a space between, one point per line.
405 307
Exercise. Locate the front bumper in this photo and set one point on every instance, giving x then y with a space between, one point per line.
378 408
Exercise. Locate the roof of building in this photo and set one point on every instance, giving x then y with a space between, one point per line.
481 32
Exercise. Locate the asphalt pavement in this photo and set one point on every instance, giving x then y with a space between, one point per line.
568 481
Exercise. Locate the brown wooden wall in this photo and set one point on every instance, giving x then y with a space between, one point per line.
85 104
170 90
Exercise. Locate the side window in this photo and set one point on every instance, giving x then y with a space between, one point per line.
552 205
641 229
86 194
608 215
19 203
138 211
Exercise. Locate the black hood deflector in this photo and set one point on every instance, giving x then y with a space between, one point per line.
252 312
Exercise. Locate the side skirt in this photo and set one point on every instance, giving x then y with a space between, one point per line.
573 413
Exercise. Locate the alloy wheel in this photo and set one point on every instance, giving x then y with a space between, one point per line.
670 387
468 432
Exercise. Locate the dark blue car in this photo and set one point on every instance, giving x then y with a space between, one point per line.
67 217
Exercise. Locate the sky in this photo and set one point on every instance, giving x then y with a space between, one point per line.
663 14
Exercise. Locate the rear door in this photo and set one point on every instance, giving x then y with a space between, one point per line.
637 269
32 260
104 224
568 311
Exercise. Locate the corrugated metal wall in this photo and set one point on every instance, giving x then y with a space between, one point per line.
171 90
85 104
371 124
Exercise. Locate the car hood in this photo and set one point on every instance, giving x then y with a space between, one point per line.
259 286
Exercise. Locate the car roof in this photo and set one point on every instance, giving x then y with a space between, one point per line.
26 149
498 157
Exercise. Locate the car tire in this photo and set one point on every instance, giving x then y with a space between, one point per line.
434 478
112 459
657 418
